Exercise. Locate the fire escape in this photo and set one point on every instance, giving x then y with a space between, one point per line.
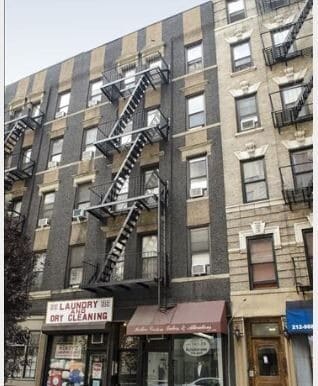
112 202
18 166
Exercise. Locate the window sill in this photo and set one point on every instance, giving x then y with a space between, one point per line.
38 229
251 131
197 199
75 222
244 71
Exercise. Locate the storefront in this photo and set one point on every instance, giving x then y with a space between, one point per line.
299 318
183 345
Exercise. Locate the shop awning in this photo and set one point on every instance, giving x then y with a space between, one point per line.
299 317
184 318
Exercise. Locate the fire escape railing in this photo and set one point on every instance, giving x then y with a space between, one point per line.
297 183
19 168
292 114
265 6
302 274
298 40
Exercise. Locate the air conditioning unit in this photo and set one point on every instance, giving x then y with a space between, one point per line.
79 214
53 164
87 155
196 192
93 102
249 123
60 114
44 222
199 269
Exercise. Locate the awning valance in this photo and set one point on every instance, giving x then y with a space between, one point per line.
299 317
184 318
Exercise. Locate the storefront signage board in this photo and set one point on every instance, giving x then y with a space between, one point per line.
79 311
68 351
196 347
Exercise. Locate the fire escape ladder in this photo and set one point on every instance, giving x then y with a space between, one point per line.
291 37
303 97
125 169
120 242
13 136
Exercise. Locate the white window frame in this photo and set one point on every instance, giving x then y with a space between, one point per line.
196 111
196 63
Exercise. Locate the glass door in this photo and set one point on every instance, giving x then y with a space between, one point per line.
97 369
157 369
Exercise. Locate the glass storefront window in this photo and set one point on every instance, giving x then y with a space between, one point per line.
67 361
128 358
265 329
198 360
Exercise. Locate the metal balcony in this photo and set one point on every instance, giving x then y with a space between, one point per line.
265 6
297 183
17 169
15 219
303 274
116 85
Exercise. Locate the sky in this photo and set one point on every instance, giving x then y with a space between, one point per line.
40 33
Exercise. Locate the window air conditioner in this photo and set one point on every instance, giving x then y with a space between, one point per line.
79 214
93 102
44 222
249 123
53 164
87 155
60 114
196 192
200 269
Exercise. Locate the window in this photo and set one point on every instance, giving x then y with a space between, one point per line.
254 180
55 155
278 39
90 137
63 104
194 57
47 205
235 10
196 111
16 208
118 270
290 96
123 195
38 271
247 113
76 258
151 182
200 251
153 117
25 355
35 113
262 267
302 167
95 93
149 256
308 242
83 196
198 180
130 79
26 156
127 131
241 56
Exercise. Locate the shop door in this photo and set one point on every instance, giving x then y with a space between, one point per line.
268 366
157 368
97 369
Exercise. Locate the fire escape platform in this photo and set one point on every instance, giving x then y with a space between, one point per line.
122 285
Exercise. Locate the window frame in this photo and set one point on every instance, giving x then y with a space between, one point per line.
209 264
90 146
98 96
189 179
293 165
38 255
253 182
42 210
194 61
239 119
25 157
229 21
77 194
146 170
292 50
309 258
142 252
188 98
70 267
245 66
51 155
266 284
64 108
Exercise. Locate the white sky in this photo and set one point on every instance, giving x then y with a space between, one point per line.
40 33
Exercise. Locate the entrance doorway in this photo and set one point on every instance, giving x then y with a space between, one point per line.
157 363
97 369
267 363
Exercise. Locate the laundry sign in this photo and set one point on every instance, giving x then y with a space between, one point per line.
79 311
196 347
68 351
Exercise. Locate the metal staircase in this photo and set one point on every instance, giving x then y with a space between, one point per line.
307 87
282 52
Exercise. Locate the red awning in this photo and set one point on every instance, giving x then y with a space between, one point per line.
184 318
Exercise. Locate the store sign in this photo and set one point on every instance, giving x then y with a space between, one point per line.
97 370
80 311
299 317
196 347
68 351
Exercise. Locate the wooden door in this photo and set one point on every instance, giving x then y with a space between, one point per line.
268 362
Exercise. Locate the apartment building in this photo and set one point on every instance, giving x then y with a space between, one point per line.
264 58
114 167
